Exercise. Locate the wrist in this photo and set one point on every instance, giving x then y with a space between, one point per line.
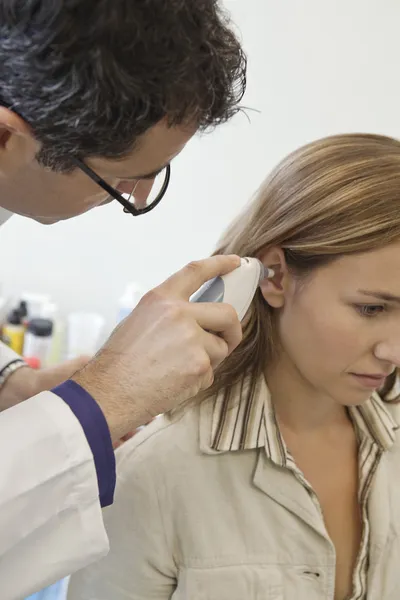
19 384
122 417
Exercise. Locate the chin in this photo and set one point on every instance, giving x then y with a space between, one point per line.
53 219
76 211
358 402
356 399
47 220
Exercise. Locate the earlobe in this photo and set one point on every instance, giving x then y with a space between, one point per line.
273 290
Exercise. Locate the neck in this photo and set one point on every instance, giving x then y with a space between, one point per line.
298 406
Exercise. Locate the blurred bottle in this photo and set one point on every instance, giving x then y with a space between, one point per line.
38 339
23 310
14 331
84 334
50 310
33 362
34 303
129 299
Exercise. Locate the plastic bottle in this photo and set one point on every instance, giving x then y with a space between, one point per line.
33 362
35 303
23 311
14 331
57 350
38 339
129 299
84 334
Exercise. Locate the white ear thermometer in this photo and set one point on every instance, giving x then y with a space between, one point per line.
237 287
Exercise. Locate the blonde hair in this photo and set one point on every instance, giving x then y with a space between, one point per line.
336 196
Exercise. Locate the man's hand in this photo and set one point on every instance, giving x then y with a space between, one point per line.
27 382
165 352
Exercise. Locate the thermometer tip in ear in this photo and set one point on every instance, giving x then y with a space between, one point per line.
270 273
266 272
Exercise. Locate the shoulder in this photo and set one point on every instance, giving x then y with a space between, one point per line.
166 443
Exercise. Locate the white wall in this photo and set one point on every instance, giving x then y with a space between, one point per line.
315 68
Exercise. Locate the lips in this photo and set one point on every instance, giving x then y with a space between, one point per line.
372 376
373 381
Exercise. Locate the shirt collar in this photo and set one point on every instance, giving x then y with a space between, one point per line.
240 424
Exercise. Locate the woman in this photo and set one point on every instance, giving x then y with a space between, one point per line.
284 482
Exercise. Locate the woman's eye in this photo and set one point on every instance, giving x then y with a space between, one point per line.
370 310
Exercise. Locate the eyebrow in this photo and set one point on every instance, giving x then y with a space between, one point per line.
381 295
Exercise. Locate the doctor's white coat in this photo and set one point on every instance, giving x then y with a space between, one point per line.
50 516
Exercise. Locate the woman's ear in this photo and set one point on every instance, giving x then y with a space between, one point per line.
274 289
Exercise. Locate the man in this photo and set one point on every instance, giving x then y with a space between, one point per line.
96 99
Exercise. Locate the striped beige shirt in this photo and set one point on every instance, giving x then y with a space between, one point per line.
246 425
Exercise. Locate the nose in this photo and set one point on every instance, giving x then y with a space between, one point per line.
388 352
138 191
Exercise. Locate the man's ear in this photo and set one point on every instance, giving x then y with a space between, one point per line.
274 289
17 143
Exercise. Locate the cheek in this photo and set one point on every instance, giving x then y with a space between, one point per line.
77 200
319 339
96 199
73 192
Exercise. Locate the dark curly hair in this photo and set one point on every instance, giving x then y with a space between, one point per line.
91 76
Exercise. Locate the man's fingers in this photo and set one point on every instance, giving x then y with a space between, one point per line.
221 319
188 280
216 349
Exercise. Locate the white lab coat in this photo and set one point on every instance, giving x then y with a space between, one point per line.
50 517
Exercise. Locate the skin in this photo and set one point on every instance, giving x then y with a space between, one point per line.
28 189
330 328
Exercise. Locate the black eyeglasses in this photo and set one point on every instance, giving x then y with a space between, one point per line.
156 194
